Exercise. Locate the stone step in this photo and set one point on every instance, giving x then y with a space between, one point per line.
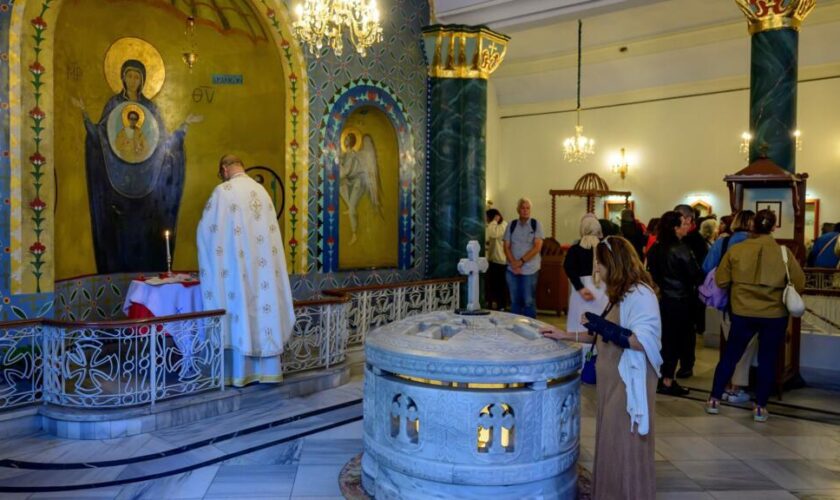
101 464
111 423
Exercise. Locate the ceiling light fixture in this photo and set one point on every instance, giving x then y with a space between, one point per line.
578 148
323 22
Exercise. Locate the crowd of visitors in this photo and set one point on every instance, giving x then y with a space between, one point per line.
639 295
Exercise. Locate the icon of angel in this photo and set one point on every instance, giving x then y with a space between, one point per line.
359 173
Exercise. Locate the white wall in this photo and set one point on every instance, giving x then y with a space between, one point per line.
685 146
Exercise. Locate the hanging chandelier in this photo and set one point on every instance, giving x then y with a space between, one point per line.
324 22
578 148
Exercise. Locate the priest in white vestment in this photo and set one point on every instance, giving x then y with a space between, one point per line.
243 271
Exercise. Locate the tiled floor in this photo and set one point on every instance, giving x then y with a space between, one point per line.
698 456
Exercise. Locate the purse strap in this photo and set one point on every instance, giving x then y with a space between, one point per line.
595 337
785 260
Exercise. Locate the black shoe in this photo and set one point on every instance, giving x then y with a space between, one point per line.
674 390
685 373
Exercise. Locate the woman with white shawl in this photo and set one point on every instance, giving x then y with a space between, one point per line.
628 342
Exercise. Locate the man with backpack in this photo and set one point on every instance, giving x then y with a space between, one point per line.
523 242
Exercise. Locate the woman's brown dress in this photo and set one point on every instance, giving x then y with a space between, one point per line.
624 461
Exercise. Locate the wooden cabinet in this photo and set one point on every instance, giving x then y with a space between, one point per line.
552 283
763 184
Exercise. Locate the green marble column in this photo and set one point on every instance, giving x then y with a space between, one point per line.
773 77
461 59
457 170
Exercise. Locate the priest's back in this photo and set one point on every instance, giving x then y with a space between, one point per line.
243 271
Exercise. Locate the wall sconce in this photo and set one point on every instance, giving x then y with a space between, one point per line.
797 139
620 164
189 56
746 139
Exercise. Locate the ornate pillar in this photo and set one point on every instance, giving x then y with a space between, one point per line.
460 58
774 26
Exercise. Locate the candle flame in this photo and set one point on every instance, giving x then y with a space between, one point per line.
166 233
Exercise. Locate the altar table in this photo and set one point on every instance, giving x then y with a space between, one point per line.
155 297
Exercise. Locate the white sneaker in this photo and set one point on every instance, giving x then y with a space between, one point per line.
737 397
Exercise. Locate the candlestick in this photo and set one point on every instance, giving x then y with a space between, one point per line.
168 255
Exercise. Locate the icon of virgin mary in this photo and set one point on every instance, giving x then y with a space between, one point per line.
135 169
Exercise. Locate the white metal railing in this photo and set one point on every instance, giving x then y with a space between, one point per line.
822 301
21 364
106 364
372 307
319 339
124 363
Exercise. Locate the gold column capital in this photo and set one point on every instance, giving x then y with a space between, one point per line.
767 15
459 51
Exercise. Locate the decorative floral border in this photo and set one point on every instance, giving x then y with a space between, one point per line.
36 115
92 298
349 98
297 125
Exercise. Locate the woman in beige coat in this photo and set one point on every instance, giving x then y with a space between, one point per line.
755 274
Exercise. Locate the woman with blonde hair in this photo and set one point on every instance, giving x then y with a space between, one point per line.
628 336
588 290
708 230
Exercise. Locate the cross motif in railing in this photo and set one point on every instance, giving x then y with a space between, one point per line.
87 365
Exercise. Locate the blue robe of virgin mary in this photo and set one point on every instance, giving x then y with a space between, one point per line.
132 204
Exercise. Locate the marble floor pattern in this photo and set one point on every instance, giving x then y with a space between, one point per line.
698 456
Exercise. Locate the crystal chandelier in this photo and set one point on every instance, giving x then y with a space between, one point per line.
578 148
323 22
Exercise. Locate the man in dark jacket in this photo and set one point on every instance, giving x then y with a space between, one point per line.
676 273
699 248
693 239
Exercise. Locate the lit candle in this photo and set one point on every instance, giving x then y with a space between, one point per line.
168 256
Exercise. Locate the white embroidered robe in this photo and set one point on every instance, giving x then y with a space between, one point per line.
243 271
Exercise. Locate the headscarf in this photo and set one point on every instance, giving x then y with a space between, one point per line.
590 235
590 231
133 65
